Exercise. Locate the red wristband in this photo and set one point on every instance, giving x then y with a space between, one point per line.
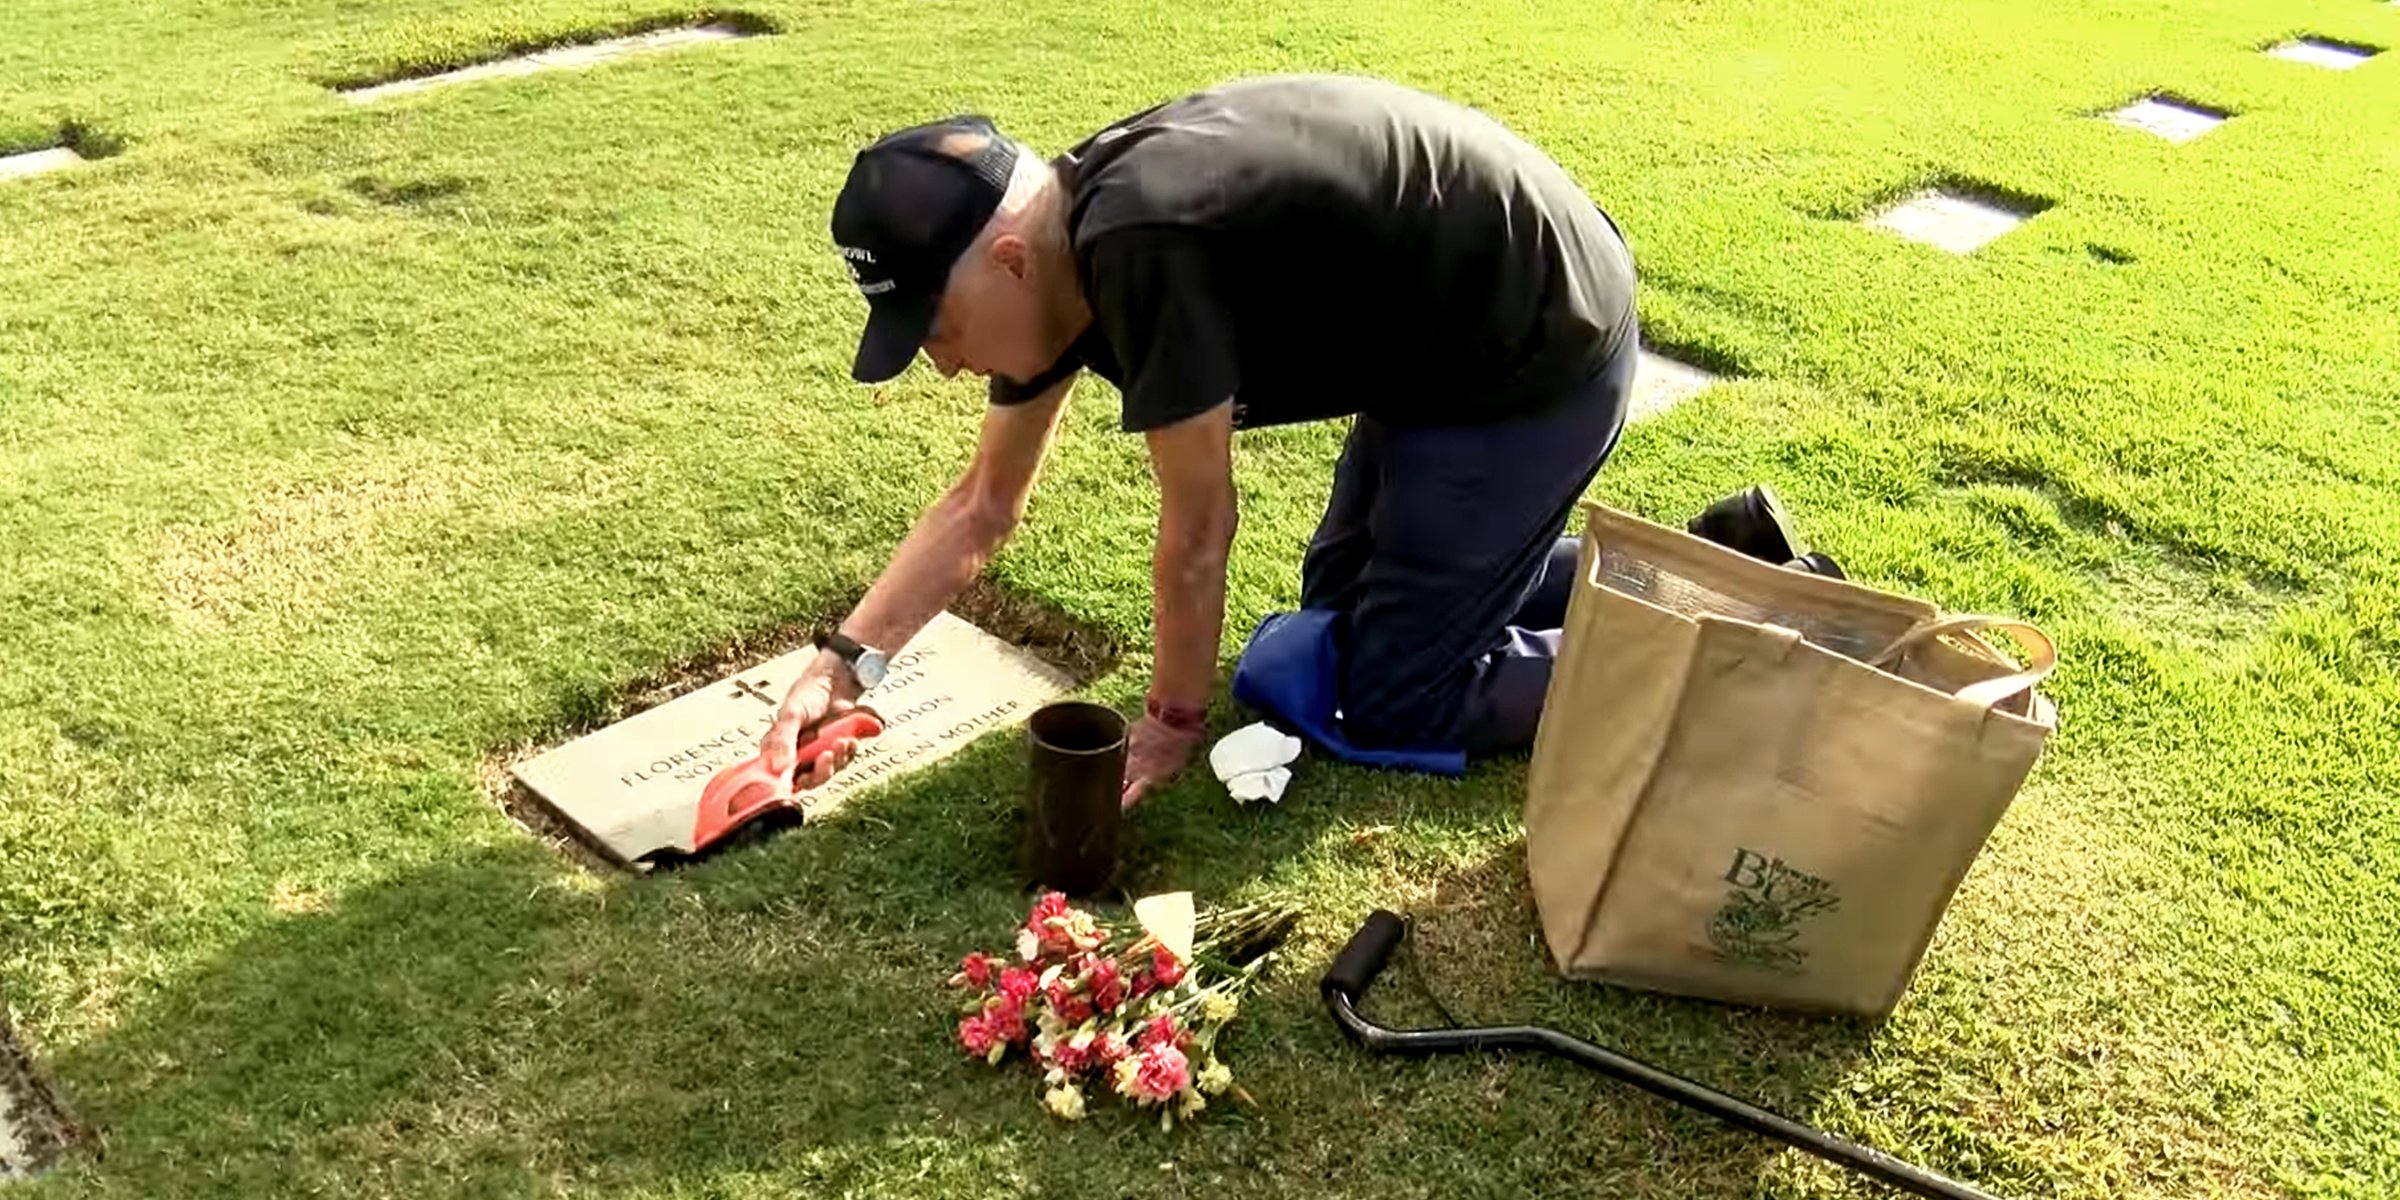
1175 717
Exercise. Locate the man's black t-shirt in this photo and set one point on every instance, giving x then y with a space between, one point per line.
1313 247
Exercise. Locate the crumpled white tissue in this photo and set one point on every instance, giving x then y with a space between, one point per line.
1259 785
1253 762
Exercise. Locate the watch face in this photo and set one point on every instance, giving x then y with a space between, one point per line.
871 668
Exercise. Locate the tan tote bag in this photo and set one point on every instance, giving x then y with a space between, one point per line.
1762 786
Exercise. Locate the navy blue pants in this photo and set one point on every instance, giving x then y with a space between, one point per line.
1443 546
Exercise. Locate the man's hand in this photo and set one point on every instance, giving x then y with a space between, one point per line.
825 690
1154 752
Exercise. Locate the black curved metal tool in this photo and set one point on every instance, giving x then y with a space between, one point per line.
1355 968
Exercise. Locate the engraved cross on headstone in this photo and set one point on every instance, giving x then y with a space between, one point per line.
743 687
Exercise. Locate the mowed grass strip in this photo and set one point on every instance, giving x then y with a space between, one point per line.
345 446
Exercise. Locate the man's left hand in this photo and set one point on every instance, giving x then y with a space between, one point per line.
1154 753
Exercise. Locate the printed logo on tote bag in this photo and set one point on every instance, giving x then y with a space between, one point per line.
1762 914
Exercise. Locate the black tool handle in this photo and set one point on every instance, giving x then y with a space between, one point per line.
1368 952
1371 948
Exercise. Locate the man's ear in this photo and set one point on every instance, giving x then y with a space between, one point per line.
1013 255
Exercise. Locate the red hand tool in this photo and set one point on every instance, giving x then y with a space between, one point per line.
739 793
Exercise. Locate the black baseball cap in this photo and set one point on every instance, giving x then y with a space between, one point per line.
914 202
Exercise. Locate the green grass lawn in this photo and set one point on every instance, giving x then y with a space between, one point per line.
342 448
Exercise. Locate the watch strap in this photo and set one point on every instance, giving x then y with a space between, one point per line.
844 647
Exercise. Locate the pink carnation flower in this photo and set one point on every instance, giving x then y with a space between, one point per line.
1101 980
1158 1074
1006 1019
1051 904
1073 1055
1069 1008
976 1034
976 971
1018 984
1161 1031
1060 929
1167 967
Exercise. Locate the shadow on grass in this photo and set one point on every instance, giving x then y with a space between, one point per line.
1476 956
771 1019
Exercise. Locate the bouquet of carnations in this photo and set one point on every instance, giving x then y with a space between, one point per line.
1138 1017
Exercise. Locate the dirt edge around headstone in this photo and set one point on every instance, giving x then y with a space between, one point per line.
1083 651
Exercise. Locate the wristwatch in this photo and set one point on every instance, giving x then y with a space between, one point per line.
867 664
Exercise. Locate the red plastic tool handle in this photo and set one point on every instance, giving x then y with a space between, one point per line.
858 723
739 793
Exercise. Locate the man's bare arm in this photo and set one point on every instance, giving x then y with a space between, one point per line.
959 533
942 553
1193 460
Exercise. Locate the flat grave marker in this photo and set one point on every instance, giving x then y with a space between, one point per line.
16 1150
634 787
1948 220
1661 383
38 162
2178 121
30 1125
575 57
2320 52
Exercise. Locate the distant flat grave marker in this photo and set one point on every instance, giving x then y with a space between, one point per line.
30 1127
36 162
2176 120
1949 219
2323 52
1661 383
575 57
634 787
16 1150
